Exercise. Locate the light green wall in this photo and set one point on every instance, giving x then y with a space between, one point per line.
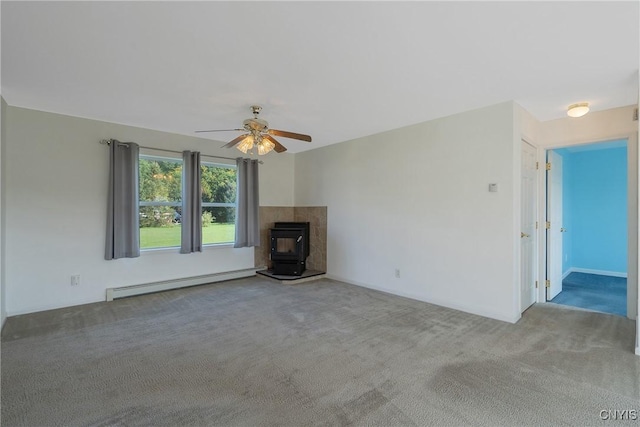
55 192
416 199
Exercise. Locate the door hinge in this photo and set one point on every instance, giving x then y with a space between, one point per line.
547 225
536 284
537 165
635 115
536 225
548 166
547 283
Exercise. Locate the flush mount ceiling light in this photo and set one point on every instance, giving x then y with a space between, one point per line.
578 110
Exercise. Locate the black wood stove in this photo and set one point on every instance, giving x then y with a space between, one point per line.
289 248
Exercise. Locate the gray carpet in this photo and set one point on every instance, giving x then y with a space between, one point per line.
250 352
597 292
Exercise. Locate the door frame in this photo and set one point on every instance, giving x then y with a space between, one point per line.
556 227
536 241
632 216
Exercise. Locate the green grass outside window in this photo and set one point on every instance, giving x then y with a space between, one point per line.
164 237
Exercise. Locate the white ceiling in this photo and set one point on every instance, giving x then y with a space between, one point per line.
334 70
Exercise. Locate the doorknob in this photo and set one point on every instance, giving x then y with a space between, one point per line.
523 235
563 230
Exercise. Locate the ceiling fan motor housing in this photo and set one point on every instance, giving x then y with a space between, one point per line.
256 124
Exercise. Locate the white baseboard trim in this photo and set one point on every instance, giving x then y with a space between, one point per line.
38 308
638 351
166 285
447 304
591 271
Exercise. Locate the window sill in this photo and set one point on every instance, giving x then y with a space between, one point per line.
217 245
176 249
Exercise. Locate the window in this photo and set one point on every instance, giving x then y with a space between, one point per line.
160 203
218 184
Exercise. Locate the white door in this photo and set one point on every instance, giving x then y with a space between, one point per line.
528 232
554 230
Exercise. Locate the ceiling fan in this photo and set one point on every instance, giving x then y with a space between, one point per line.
259 134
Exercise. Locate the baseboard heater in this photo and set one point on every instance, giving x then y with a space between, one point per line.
147 288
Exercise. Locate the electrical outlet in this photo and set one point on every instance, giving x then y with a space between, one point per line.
75 280
397 273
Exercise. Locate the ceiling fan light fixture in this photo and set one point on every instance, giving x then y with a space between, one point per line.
265 146
578 110
246 144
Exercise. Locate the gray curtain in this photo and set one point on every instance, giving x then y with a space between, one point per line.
123 226
248 201
191 203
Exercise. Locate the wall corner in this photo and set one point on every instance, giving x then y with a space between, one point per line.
3 133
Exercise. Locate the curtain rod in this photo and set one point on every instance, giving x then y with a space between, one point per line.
108 142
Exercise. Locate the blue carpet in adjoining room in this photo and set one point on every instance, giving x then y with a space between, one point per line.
607 294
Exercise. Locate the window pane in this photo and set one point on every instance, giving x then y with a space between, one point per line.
160 193
159 226
218 225
160 237
218 184
160 180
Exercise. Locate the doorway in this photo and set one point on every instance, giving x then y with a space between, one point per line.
586 227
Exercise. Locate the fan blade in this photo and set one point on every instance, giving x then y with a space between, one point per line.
235 141
218 130
291 135
279 148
